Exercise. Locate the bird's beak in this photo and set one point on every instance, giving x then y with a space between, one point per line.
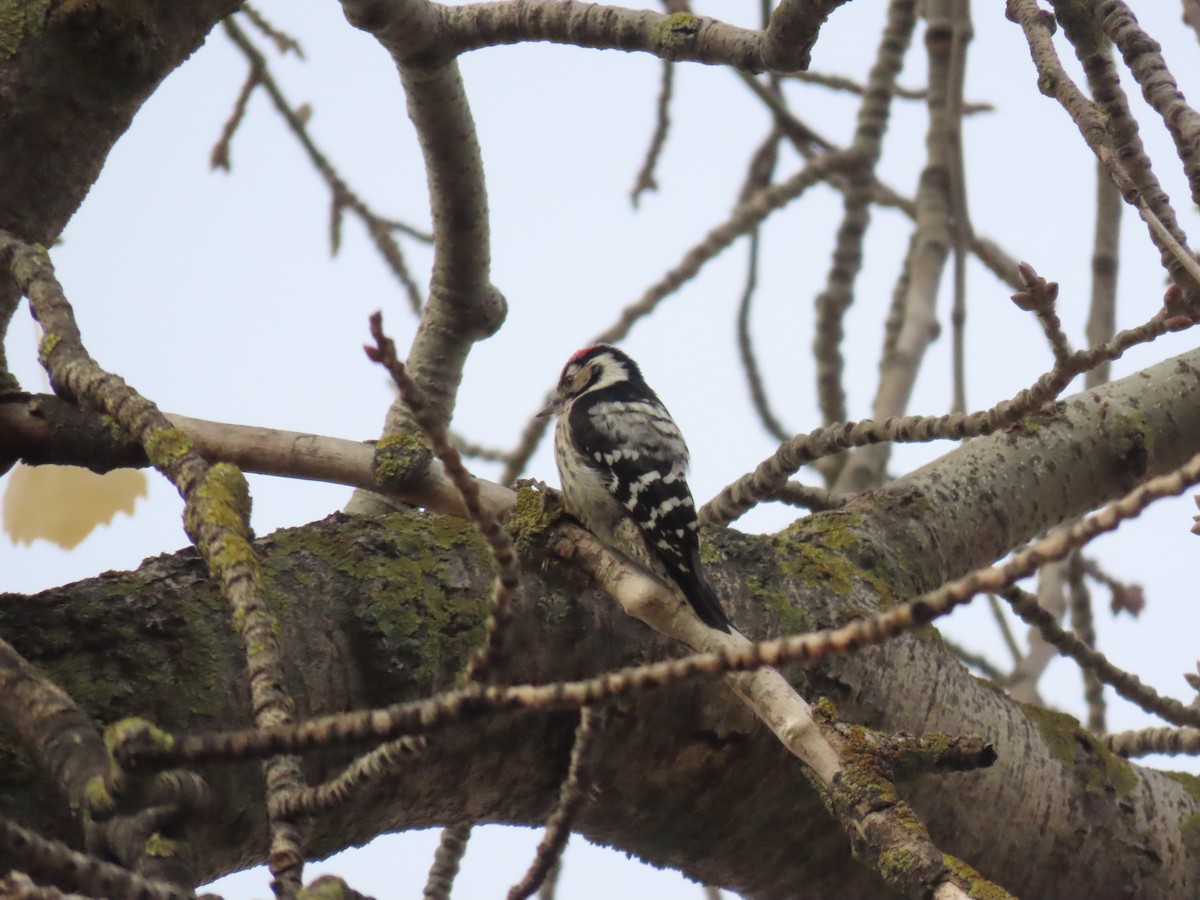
554 407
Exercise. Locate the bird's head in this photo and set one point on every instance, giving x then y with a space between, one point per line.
591 369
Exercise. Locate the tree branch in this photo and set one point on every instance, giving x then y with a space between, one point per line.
682 36
463 305
675 731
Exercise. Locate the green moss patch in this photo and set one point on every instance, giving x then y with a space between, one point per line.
1078 750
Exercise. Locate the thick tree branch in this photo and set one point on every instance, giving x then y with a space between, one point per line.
1147 428
42 429
463 305
1149 422
783 47
689 739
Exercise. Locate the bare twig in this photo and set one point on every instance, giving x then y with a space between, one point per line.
363 772
961 34
871 125
571 797
284 42
216 516
451 847
645 180
895 314
1124 683
1005 632
758 393
505 561
1169 741
1082 27
761 170
19 886
744 219
932 239
758 176
1038 296
478 451
793 493
220 151
55 860
976 661
342 197
1106 249
1126 597
1147 197
60 734
489 655
850 86
549 888
1080 608
1191 15
766 480
1052 600
1142 54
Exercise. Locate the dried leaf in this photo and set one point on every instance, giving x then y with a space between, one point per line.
63 504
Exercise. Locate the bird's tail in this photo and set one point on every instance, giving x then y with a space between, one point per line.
704 601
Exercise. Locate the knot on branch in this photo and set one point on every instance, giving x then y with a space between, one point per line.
401 460
472 313
793 31
130 738
490 312
677 33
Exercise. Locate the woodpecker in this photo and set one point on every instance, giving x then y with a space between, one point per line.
623 466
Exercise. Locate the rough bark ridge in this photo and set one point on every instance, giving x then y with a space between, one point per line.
384 610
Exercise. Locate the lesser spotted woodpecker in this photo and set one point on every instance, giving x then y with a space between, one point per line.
623 462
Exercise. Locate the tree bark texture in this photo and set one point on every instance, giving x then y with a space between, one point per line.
378 611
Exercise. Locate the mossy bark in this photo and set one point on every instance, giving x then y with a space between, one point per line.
377 611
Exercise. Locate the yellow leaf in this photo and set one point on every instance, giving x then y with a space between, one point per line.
64 503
